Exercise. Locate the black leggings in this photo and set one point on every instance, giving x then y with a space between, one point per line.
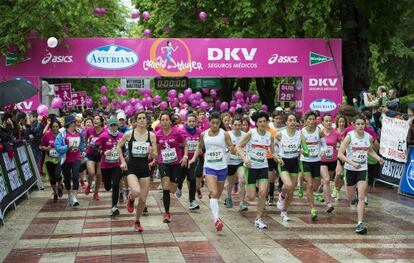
54 170
191 177
71 173
111 178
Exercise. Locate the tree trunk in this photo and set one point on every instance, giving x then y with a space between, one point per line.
267 92
226 89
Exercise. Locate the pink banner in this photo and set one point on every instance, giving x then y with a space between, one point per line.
286 92
323 94
78 98
192 57
64 91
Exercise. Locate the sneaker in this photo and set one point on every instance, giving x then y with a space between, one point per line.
74 201
138 227
178 193
319 198
281 203
60 192
300 192
121 197
354 202
218 224
87 190
366 200
160 188
167 217
70 197
271 201
329 208
260 224
114 211
194 205
199 195
243 207
55 198
145 211
361 229
314 214
96 196
130 204
229 202
335 193
284 216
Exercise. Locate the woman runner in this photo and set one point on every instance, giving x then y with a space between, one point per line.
341 124
140 144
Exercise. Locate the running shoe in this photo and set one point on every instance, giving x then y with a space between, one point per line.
271 201
354 201
74 201
319 198
130 204
55 198
284 216
361 229
335 193
199 195
243 207
114 211
300 192
178 193
194 205
218 224
314 214
145 211
70 197
138 227
229 202
60 192
329 208
167 217
87 190
281 203
121 197
260 224
366 200
96 196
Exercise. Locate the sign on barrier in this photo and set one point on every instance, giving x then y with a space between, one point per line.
407 180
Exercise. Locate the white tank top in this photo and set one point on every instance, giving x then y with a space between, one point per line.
289 146
234 159
259 145
313 140
357 151
215 156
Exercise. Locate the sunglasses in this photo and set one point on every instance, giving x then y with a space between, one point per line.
112 125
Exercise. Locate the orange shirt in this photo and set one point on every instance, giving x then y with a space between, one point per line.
273 133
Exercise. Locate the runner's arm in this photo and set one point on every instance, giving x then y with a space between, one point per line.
374 154
121 143
154 147
342 150
242 143
229 143
199 148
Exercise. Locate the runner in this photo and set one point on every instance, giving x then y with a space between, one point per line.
341 124
329 158
289 141
225 121
51 159
171 158
214 140
245 124
140 144
236 170
93 165
354 151
110 161
278 124
70 146
259 141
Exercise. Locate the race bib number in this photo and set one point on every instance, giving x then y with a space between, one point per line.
313 150
329 152
93 140
140 149
214 156
192 146
169 155
360 157
113 157
235 157
53 153
290 147
258 155
74 143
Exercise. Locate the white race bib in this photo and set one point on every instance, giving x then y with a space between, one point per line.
360 157
192 145
257 154
214 156
290 147
53 153
93 140
74 143
113 157
313 150
140 149
169 155
329 152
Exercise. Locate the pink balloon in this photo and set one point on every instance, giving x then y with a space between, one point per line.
57 103
163 105
183 114
264 107
124 92
191 98
202 15
254 98
213 93
172 93
119 90
240 101
233 103
104 100
174 102
124 103
238 106
238 94
188 92
142 92
147 32
129 110
198 95
146 15
42 110
132 101
224 106
181 97
157 99
232 110
104 90
204 105
89 102
149 101
138 107
206 91
134 14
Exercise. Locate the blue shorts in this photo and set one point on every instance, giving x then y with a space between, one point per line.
220 174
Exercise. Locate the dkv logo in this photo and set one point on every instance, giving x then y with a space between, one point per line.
56 59
112 57
323 105
229 54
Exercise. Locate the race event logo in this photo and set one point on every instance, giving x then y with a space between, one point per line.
315 59
275 58
112 57
410 175
171 58
228 58
49 58
323 105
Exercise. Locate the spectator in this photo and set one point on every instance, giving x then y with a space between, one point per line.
410 112
393 100
375 103
33 134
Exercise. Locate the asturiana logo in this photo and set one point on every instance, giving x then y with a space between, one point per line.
112 57
323 105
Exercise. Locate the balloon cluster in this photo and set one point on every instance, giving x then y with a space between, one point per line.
100 11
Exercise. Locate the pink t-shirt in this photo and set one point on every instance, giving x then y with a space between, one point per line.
369 130
170 146
90 137
203 125
73 141
332 142
48 139
192 140
106 142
